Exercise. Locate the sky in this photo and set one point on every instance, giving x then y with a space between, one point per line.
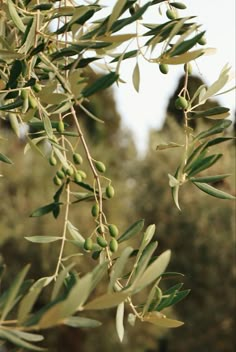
146 109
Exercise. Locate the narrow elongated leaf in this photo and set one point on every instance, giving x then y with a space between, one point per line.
61 157
15 104
127 55
136 77
42 239
218 110
75 233
13 291
10 55
186 45
218 141
15 16
101 83
165 146
218 84
62 310
212 191
5 159
159 319
154 270
141 264
117 9
81 322
133 230
60 280
11 336
177 297
219 127
28 336
120 321
46 209
119 24
207 179
118 267
30 298
203 164
186 57
108 300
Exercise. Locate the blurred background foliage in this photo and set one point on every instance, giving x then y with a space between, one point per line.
201 237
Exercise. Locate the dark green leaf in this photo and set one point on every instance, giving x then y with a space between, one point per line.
101 83
202 164
128 55
218 110
133 230
119 24
81 63
219 127
218 140
212 191
15 104
174 298
209 179
45 209
186 45
5 159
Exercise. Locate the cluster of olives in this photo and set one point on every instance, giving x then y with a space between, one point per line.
101 240
70 172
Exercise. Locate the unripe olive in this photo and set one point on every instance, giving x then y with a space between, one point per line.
113 245
100 166
60 174
171 14
77 158
88 244
52 160
95 210
37 87
110 191
181 103
202 41
77 177
101 241
60 127
24 94
96 255
82 173
178 5
188 68
164 68
32 102
57 181
113 230
70 171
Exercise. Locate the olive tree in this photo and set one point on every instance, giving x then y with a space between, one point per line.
48 52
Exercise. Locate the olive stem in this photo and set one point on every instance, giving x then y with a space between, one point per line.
95 175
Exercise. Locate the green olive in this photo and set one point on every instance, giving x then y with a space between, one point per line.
88 244
113 230
110 192
164 68
101 241
181 103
